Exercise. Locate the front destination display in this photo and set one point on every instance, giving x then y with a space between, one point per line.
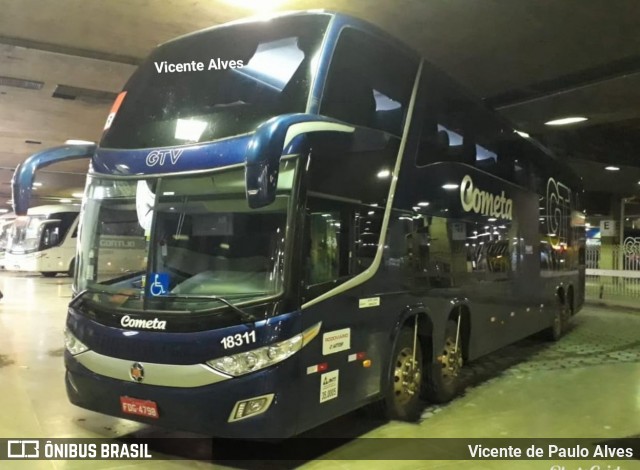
331 224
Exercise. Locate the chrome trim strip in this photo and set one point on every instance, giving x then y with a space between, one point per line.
371 270
164 375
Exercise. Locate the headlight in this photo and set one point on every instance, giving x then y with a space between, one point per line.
73 344
256 359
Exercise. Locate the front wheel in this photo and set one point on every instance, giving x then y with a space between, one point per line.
49 273
402 400
443 377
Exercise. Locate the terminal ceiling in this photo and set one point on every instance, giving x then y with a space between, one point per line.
534 60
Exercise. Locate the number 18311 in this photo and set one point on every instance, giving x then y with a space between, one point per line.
233 341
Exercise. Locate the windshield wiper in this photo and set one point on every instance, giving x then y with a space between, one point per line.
82 294
91 290
244 316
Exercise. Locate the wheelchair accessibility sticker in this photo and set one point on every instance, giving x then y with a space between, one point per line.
158 284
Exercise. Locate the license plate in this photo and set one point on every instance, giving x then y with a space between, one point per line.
134 406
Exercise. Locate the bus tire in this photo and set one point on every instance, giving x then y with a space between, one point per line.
72 268
49 273
558 327
442 382
402 399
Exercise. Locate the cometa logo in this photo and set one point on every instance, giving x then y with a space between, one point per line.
483 202
154 324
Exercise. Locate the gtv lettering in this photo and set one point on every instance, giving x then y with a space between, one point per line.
483 202
160 157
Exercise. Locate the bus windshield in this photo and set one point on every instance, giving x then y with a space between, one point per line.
25 234
219 83
5 231
175 243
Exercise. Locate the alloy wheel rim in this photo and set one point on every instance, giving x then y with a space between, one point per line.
451 360
406 376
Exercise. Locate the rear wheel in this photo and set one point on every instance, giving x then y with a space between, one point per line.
443 377
49 273
402 400
559 325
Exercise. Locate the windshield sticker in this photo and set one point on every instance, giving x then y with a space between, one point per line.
329 386
336 341
159 284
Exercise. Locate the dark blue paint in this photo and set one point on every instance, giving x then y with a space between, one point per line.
202 409
176 348
24 175
197 157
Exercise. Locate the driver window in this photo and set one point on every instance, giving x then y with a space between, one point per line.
50 236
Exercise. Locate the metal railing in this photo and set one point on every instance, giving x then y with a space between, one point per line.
620 281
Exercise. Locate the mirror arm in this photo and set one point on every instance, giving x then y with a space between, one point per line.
262 159
23 178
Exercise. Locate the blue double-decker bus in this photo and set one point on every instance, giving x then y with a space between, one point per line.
317 219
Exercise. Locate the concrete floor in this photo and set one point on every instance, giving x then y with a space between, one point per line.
586 385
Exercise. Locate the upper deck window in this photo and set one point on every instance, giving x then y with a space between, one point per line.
165 107
369 83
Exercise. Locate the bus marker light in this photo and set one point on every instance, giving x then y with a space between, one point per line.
114 109
317 368
251 407
366 363
356 357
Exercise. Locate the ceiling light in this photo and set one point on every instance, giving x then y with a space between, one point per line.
612 168
523 134
423 204
4 211
450 186
37 184
565 121
384 174
78 142
65 201
78 195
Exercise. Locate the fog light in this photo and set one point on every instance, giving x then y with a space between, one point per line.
251 407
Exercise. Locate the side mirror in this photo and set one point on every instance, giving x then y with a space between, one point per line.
24 175
267 145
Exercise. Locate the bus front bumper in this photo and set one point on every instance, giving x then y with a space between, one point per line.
206 410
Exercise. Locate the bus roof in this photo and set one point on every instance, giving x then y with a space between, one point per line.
340 20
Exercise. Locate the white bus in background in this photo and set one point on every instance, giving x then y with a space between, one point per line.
44 240
6 221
